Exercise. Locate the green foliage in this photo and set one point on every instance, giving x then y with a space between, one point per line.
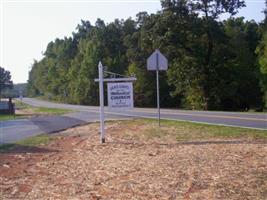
36 140
5 80
16 91
4 117
262 53
212 64
188 131
27 143
262 58
243 69
54 111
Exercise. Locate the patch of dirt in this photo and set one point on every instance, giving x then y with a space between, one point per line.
27 113
133 166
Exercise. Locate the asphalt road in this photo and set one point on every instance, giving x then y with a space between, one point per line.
15 130
236 119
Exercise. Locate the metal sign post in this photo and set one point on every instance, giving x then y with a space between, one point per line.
157 74
158 100
157 62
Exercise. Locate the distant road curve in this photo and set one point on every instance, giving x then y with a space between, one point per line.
235 119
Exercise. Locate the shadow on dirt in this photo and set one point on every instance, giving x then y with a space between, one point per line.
221 142
197 143
22 149
52 124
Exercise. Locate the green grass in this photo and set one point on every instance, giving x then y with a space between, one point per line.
21 105
4 117
185 131
36 140
42 110
6 147
27 143
56 111
39 110
35 111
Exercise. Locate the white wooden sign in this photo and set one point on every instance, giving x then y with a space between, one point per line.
157 61
120 95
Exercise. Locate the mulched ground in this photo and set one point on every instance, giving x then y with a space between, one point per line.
77 166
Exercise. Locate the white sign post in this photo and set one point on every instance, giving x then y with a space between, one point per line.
101 99
156 62
120 95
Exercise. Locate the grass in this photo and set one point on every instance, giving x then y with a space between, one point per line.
28 110
6 147
56 111
185 131
147 129
43 110
4 117
21 105
38 140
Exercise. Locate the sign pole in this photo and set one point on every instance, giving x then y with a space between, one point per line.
157 61
157 75
121 104
101 97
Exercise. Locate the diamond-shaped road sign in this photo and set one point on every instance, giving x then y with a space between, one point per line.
157 61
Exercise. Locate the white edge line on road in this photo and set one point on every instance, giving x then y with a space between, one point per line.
194 115
181 120
142 116
214 124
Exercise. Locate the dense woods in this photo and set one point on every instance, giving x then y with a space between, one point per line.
213 64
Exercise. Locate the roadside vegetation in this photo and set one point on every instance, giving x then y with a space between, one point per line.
23 110
169 131
26 111
179 160
213 64
34 141
180 131
4 117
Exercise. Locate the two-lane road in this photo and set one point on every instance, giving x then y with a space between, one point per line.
236 119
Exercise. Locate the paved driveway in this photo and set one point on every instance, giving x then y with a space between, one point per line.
15 130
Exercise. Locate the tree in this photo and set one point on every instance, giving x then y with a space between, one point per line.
243 88
262 59
5 80
212 9
82 30
265 12
16 91
212 64
201 47
262 53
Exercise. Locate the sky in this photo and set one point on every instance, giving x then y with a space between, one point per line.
27 26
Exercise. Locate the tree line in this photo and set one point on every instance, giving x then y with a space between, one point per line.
213 64
15 91
5 81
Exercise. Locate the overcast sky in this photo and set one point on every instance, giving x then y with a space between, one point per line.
27 26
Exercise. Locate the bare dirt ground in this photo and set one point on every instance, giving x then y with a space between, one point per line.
27 113
133 166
